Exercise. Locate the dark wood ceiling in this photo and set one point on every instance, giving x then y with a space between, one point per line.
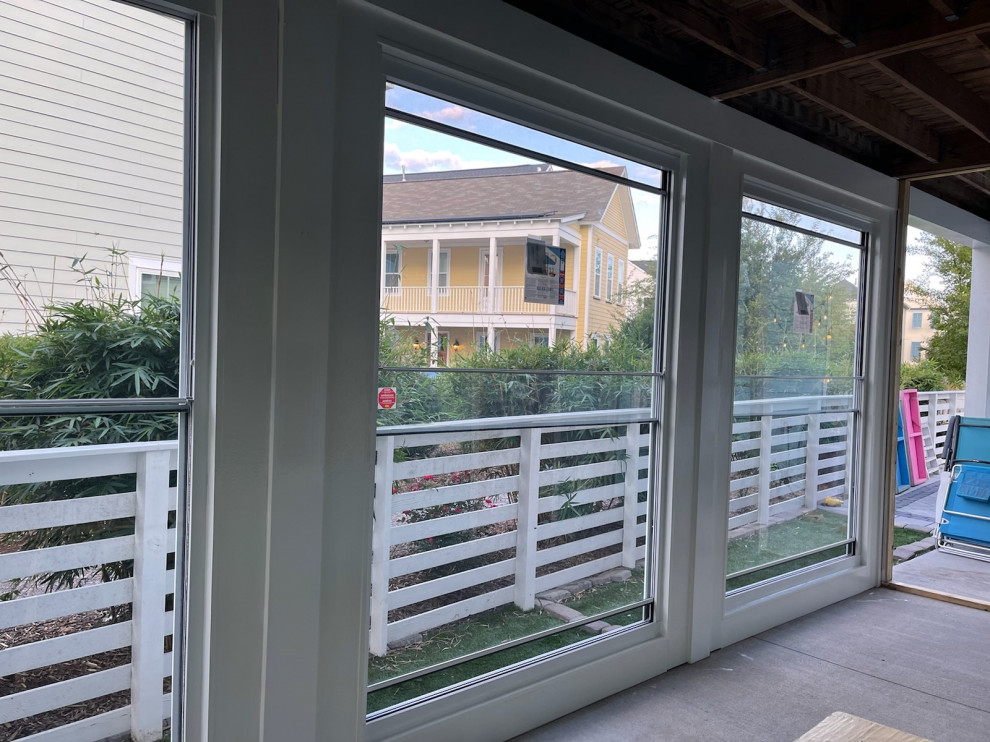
902 86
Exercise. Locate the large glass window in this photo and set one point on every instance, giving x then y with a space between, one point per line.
94 382
513 486
797 387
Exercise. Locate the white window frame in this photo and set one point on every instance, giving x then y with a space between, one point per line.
598 273
140 265
609 278
444 274
540 337
915 351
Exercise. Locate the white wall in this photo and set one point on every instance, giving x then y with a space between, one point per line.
91 144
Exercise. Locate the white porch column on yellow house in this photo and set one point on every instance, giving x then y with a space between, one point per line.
494 270
552 330
381 278
575 265
590 268
435 276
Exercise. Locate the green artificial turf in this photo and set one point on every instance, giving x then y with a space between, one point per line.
489 630
780 540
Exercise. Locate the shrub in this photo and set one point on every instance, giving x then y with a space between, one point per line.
925 376
106 349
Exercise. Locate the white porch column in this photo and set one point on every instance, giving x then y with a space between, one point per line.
494 301
978 352
381 277
435 276
552 330
590 270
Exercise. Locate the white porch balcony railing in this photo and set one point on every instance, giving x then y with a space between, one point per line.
150 623
471 300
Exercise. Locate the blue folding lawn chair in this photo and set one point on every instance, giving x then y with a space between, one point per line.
964 525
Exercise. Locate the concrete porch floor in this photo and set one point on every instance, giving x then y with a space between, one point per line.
913 663
946 573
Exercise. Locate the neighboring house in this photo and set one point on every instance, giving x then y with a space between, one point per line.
453 255
642 273
916 328
91 154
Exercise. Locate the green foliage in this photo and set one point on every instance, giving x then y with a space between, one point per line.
924 375
947 292
774 263
106 349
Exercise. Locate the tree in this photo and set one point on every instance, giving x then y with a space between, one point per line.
775 262
946 289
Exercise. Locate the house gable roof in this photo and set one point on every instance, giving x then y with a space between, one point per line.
526 191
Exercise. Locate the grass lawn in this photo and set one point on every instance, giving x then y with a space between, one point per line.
780 540
904 536
810 531
488 630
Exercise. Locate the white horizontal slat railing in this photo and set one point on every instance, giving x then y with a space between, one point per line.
486 506
146 591
788 455
936 408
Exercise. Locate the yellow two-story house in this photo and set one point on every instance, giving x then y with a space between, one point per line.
453 255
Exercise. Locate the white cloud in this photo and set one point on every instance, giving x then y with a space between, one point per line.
393 124
421 160
599 164
448 113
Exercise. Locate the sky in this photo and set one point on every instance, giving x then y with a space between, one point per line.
421 150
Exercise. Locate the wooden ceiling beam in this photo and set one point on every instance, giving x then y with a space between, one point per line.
718 25
947 9
929 81
831 17
964 153
840 94
929 28
980 184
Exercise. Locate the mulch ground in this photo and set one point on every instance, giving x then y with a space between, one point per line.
19 682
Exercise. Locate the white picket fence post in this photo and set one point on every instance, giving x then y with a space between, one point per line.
148 607
766 446
630 497
931 405
381 544
811 463
527 514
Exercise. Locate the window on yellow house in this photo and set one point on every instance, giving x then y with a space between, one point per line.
620 281
608 277
598 273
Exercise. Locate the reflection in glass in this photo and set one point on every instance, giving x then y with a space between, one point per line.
796 393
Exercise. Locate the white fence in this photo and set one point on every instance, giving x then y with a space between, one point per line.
146 631
478 493
788 455
944 405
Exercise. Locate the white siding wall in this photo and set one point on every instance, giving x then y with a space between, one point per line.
91 127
